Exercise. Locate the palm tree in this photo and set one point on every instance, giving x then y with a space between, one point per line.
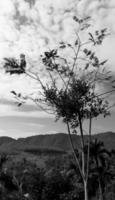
99 156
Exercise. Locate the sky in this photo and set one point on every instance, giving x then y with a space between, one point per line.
31 27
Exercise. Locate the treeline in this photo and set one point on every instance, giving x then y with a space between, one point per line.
44 151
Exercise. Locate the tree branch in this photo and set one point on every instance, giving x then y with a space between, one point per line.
89 142
74 153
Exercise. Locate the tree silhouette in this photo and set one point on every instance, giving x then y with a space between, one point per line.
71 92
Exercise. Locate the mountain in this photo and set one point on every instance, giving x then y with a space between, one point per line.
108 138
56 142
6 140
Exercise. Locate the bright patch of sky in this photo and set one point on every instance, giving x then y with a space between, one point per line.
32 26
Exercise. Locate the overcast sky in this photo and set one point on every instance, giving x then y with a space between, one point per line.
30 27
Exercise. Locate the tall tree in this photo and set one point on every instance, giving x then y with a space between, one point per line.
74 71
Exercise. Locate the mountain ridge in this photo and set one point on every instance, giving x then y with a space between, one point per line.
59 141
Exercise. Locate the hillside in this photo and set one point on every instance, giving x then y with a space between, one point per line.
53 141
6 140
108 138
57 142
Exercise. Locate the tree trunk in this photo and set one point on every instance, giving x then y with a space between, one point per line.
85 191
100 187
100 191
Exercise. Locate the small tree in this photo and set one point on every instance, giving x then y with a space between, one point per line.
74 72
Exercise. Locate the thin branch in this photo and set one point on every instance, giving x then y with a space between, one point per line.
60 74
108 92
30 75
81 131
35 77
61 78
41 107
82 145
111 106
74 153
76 56
85 43
51 77
89 142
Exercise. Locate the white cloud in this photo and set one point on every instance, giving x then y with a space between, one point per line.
9 110
31 30
2 132
22 84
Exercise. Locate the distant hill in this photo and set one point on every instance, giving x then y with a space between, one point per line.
58 142
108 138
6 140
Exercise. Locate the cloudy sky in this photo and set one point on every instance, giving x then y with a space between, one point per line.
30 27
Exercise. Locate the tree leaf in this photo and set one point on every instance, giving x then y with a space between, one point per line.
13 92
62 46
87 65
76 42
102 63
113 81
19 104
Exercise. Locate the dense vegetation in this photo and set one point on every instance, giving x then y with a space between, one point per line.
59 179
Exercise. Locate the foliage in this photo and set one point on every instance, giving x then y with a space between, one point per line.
44 151
12 66
100 169
71 94
58 181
